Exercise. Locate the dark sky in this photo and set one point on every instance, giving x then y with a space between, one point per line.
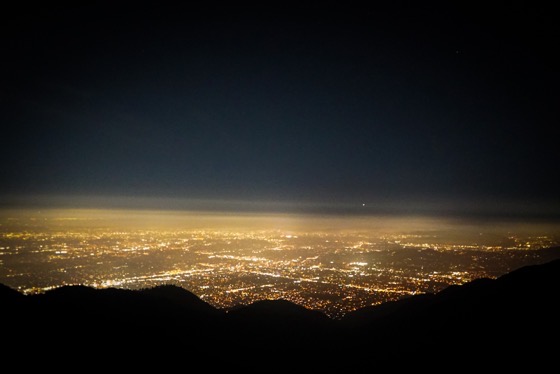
326 104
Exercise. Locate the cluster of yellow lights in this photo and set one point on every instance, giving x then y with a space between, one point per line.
335 271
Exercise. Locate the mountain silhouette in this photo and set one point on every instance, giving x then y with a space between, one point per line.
278 310
10 295
517 313
182 298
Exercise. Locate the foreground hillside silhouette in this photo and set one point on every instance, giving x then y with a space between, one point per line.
516 315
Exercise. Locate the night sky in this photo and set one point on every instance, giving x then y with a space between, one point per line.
412 106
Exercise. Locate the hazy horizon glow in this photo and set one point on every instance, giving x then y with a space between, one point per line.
475 209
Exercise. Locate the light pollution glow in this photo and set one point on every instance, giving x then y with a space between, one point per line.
331 263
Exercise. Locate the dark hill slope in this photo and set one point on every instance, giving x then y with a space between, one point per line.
516 315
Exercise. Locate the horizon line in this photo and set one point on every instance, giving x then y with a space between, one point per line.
490 209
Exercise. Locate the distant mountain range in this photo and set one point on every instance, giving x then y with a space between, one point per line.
514 318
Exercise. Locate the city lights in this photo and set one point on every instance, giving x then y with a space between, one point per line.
239 260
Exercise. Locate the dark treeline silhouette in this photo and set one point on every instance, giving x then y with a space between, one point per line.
509 321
